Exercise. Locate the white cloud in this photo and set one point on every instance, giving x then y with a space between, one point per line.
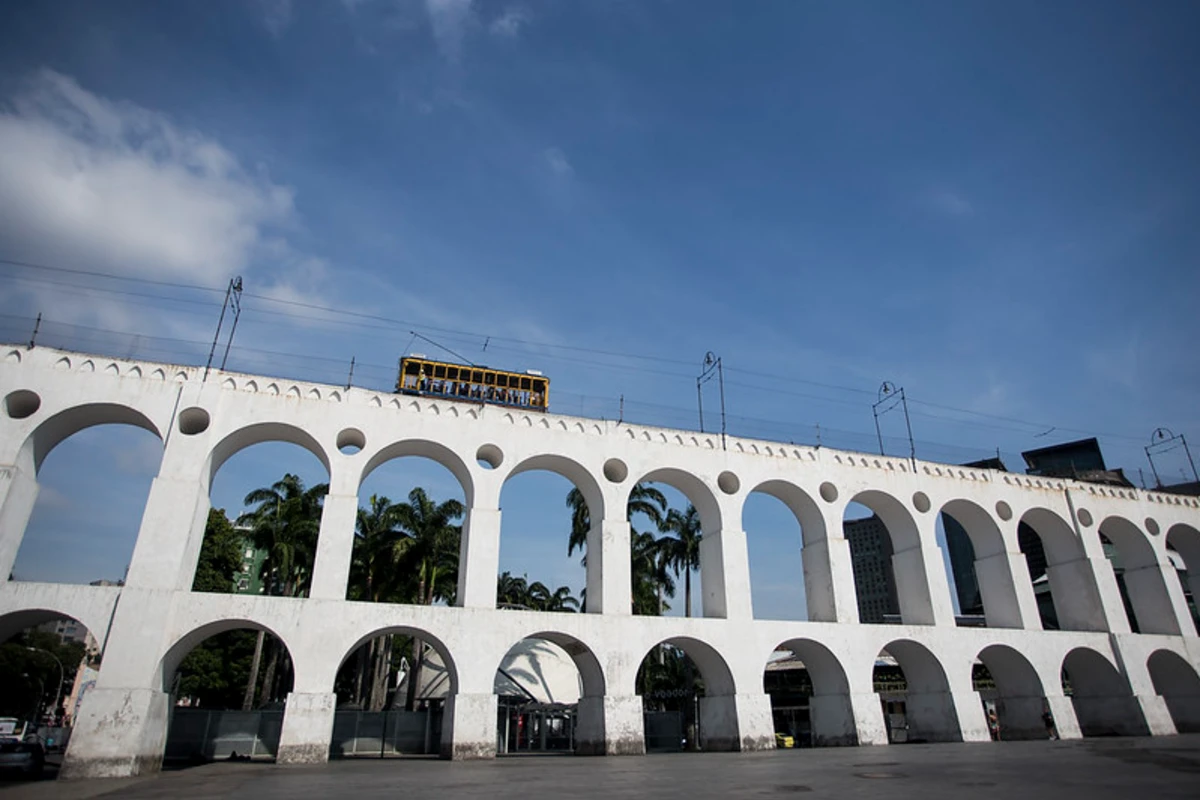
277 16
508 25
557 160
85 181
449 19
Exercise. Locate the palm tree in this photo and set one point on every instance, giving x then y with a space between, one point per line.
379 545
285 522
433 551
684 548
643 499
650 575
561 599
512 591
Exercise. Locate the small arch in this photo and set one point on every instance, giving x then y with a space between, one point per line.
250 435
229 383
112 369
1179 684
314 394
425 448
63 363
135 372
252 386
273 388
87 366
375 402
159 374
13 356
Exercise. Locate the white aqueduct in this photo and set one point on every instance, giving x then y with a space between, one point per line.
1125 683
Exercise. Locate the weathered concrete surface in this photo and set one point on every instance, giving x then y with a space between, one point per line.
1102 769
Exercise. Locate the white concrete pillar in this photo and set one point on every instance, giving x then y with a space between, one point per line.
829 579
921 587
1109 715
1079 599
469 727
609 573
869 723
725 575
1020 718
307 728
174 519
1156 714
1062 709
1007 592
831 718
968 711
610 726
479 558
335 546
1157 607
18 493
118 733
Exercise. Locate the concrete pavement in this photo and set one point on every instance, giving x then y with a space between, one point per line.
1161 767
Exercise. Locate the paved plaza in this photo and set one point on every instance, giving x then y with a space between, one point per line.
1159 768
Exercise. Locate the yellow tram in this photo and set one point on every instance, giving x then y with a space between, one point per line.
423 376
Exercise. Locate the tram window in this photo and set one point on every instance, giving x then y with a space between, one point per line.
411 368
477 376
452 373
489 378
502 380
439 371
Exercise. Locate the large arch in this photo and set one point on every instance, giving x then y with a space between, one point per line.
1141 581
718 720
588 737
698 493
929 706
831 714
1185 540
907 562
1103 701
70 421
1074 595
258 433
819 596
1179 684
984 552
423 448
213 730
1021 698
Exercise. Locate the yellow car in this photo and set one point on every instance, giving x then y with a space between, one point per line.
783 740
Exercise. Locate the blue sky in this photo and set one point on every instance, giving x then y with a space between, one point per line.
989 204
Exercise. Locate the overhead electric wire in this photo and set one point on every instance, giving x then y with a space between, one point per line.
472 337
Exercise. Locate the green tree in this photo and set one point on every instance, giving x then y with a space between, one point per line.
220 555
432 555
650 573
643 499
684 548
30 675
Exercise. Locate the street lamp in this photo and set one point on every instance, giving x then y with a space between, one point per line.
62 675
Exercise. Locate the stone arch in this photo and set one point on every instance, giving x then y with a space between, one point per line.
814 559
1179 684
573 471
912 583
451 668
92 616
1185 541
986 557
698 493
929 706
1020 695
718 719
70 421
1104 703
831 714
258 433
1141 581
187 642
589 737
424 448
1056 553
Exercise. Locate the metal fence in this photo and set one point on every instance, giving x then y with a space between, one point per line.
203 735
385 733
664 731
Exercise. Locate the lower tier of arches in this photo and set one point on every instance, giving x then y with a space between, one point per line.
861 684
